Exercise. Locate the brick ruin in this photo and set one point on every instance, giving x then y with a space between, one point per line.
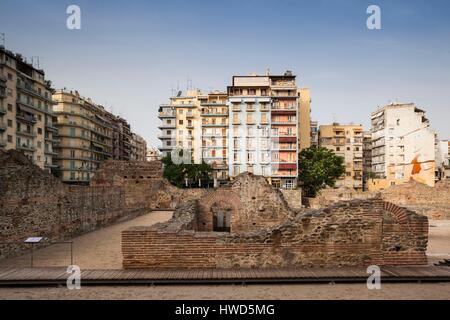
35 203
250 225
433 202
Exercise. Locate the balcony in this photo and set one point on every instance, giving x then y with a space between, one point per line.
2 110
166 114
2 127
207 124
51 152
51 165
26 133
189 115
50 127
165 136
166 126
2 143
236 108
26 118
250 108
30 90
284 123
25 147
214 114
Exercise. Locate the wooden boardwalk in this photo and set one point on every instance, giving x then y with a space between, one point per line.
55 276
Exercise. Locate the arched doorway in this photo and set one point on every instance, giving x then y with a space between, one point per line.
221 212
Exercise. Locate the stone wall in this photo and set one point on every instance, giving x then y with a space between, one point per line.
434 202
34 203
357 232
253 202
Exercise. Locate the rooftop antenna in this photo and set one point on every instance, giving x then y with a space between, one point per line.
334 118
3 39
35 61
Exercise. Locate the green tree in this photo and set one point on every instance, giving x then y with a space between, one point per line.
318 168
196 175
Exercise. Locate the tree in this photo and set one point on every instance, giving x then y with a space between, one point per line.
318 168
196 175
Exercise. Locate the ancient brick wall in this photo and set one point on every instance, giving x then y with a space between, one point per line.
358 232
34 203
253 202
434 202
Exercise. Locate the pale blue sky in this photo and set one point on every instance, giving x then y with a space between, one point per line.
130 54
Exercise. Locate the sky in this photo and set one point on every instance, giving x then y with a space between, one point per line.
130 55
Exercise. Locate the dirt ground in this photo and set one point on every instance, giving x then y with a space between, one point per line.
101 249
406 291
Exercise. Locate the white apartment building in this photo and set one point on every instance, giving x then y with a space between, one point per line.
403 146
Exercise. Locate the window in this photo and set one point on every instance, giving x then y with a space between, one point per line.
398 122
180 121
9 138
9 107
72 132
39 130
10 123
10 76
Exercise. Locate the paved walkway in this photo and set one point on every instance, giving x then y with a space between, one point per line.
100 249
54 276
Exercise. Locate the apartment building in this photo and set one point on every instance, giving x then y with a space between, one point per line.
314 133
345 140
263 130
153 154
403 146
253 127
304 119
214 134
181 125
26 117
121 137
442 159
138 148
367 157
85 136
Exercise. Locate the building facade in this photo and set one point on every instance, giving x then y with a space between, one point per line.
263 131
26 115
442 159
253 127
85 136
138 148
304 119
345 141
214 134
367 158
314 133
153 154
403 146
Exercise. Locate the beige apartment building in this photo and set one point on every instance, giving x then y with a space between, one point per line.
26 117
85 136
345 141
214 121
304 119
138 148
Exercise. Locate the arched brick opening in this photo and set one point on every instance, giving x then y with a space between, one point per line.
217 211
